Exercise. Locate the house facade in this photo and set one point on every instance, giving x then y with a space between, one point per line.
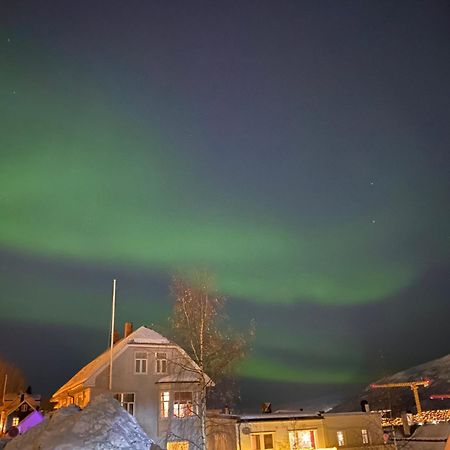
16 408
292 431
153 379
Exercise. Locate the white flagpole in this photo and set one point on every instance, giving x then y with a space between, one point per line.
112 333
4 388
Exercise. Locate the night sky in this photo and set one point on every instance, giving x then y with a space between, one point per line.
298 150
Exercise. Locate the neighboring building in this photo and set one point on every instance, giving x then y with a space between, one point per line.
154 380
292 431
16 408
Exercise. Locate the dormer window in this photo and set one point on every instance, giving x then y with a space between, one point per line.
161 363
140 362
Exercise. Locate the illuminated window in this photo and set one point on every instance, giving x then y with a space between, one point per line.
164 406
302 439
178 445
262 441
15 421
126 400
365 436
340 438
140 362
161 363
182 404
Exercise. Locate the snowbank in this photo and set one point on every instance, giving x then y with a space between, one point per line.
102 425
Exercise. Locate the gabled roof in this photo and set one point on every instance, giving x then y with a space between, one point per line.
142 336
18 402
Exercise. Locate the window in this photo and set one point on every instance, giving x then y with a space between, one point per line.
140 362
126 400
302 439
24 407
178 445
263 441
15 421
182 404
164 404
365 436
161 363
340 438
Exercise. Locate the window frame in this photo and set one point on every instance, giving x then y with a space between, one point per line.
258 442
141 360
180 411
164 404
295 438
177 445
341 442
160 363
123 403
365 436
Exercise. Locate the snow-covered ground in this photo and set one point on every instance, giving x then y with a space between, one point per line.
102 425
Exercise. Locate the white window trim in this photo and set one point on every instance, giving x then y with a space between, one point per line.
343 438
140 359
261 440
160 359
365 436
163 401
122 402
314 430
176 406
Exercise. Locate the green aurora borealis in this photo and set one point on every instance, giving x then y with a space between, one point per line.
94 174
82 181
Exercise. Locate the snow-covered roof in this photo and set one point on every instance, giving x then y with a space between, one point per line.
428 437
142 336
187 377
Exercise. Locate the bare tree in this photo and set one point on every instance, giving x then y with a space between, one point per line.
201 327
15 380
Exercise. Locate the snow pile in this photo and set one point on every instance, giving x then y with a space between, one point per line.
102 425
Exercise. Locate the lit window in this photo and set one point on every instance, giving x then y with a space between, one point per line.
126 400
263 441
365 436
178 445
161 363
340 438
15 421
302 439
165 399
140 362
182 404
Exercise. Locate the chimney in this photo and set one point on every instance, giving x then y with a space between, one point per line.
128 329
116 337
266 408
365 406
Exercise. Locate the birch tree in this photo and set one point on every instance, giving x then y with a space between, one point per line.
200 326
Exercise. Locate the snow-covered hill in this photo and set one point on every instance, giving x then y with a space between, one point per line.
397 399
102 425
